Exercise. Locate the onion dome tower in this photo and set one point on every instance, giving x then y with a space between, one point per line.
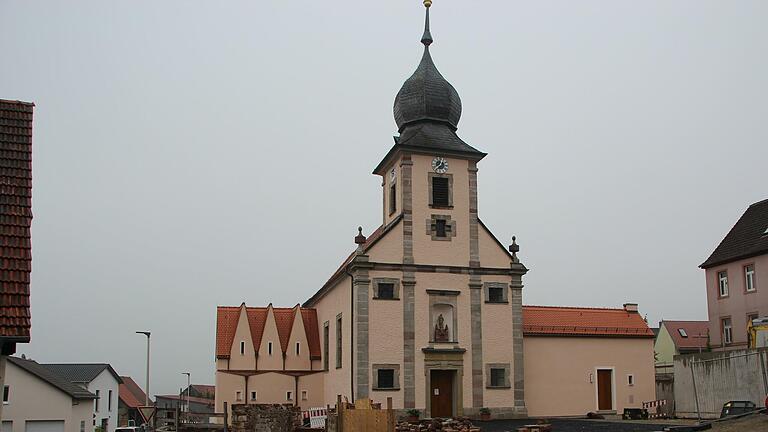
427 109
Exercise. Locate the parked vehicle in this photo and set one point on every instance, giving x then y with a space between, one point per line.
130 429
733 408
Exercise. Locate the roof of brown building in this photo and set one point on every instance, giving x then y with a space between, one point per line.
226 326
131 394
15 218
202 401
748 238
576 321
697 333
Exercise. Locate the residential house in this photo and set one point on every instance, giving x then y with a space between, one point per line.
679 337
15 224
37 399
101 380
131 397
737 279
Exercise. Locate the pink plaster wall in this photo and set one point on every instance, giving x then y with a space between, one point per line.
300 361
337 300
247 360
557 373
497 345
738 304
386 336
274 361
426 250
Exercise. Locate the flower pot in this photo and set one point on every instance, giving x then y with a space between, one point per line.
485 416
413 419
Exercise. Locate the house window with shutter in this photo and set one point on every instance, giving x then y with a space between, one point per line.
440 190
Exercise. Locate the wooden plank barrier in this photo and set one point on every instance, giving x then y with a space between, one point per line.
363 415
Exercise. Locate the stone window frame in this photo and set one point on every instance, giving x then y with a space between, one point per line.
487 292
395 292
443 297
449 224
489 383
450 190
395 379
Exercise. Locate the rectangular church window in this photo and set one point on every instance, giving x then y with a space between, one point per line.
497 377
386 378
386 291
440 192
496 295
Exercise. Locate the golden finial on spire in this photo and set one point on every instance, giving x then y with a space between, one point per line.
427 3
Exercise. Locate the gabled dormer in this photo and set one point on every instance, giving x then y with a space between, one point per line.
297 355
270 350
242 354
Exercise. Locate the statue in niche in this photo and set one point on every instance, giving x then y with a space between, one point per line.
441 330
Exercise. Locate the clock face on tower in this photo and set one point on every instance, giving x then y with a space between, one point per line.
440 165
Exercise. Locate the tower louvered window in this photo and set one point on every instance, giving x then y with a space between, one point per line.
440 192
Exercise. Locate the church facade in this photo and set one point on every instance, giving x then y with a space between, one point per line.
428 308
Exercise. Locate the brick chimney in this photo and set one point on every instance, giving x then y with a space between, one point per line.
630 307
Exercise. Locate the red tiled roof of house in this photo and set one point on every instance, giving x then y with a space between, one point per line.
15 218
697 334
284 320
575 321
226 325
130 393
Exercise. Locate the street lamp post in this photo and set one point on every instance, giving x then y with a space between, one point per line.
189 384
147 334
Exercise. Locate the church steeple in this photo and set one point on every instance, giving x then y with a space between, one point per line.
426 95
427 111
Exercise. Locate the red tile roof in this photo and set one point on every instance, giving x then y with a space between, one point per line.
15 218
130 393
697 331
574 321
226 325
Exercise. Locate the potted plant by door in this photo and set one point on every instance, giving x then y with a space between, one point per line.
485 414
413 415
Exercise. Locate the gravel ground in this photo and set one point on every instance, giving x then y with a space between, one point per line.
566 425
758 422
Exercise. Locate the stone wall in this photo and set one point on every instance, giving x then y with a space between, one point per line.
719 377
265 418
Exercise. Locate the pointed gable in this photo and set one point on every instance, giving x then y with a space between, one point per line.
257 317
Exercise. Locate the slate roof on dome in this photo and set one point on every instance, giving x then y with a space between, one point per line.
427 110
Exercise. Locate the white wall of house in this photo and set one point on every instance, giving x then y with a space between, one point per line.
106 387
31 399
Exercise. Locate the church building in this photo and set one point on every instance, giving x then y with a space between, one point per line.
428 308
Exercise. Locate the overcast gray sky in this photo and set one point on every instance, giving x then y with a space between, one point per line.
189 154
